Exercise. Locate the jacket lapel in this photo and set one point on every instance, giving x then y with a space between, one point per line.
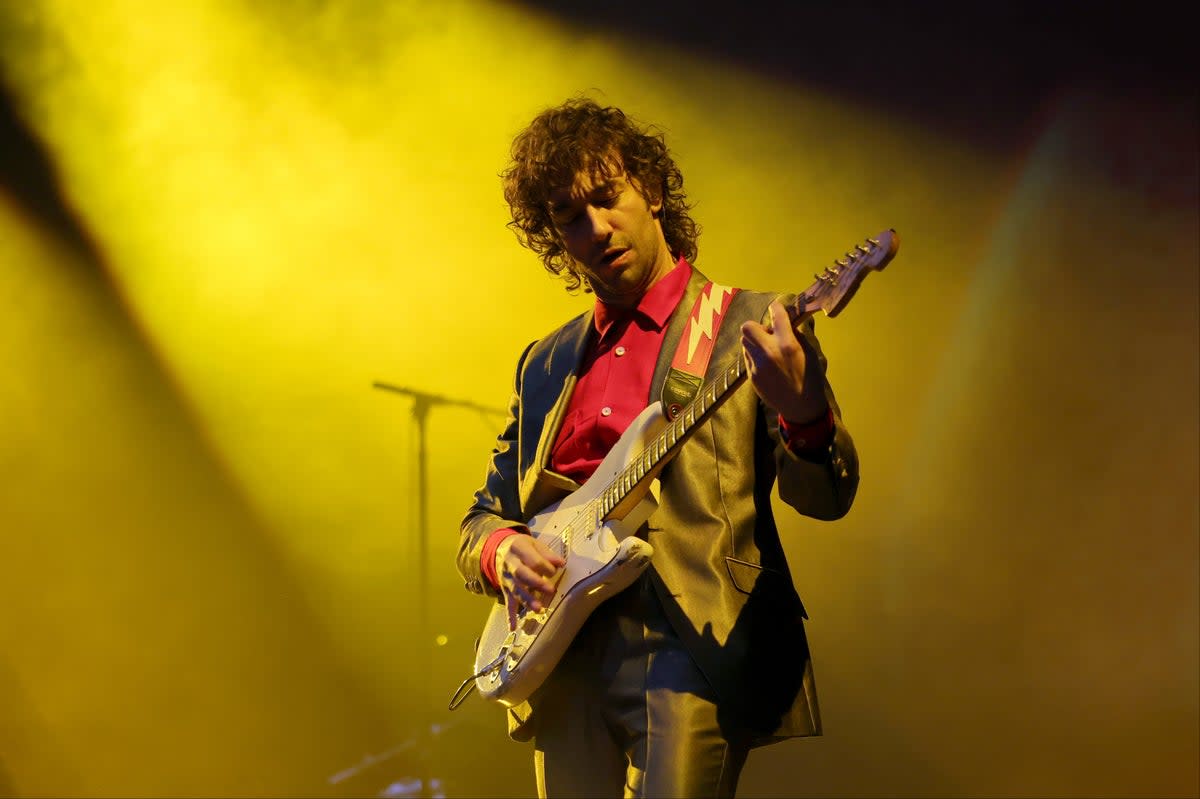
559 368
674 332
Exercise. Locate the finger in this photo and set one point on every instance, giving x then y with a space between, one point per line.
512 605
756 335
781 324
538 556
544 566
529 598
517 598
554 558
751 356
531 589
542 559
530 580
760 351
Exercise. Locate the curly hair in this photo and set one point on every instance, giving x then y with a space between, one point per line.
581 136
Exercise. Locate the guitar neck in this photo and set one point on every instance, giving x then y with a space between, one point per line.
631 484
834 287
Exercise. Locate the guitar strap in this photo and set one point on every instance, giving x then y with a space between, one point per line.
686 375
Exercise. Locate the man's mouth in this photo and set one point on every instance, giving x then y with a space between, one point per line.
611 257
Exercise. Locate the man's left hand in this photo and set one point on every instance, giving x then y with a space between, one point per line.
784 368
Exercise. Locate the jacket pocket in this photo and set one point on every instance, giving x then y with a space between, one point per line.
751 578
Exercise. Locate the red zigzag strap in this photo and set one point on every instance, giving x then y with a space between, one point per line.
686 375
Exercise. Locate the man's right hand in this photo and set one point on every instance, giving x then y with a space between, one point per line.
528 572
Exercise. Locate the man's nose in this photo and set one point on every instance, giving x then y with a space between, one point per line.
600 223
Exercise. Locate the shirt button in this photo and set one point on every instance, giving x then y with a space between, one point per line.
619 351
606 411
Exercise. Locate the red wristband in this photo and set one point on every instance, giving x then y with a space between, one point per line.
808 437
487 558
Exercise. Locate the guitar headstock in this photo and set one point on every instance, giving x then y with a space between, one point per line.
837 284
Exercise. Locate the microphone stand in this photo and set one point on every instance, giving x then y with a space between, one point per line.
423 402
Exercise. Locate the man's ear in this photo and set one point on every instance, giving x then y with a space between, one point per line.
653 200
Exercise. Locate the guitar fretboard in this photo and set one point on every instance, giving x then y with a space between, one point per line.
711 395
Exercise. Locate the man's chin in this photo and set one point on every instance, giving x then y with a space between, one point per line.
618 293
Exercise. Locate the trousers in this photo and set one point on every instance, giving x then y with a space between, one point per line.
627 712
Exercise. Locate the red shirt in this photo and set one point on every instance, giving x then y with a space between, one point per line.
614 377
614 387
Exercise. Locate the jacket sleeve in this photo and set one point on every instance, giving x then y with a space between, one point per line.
822 487
497 502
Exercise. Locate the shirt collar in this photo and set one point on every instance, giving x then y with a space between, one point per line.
654 307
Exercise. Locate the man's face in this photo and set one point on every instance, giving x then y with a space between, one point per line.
614 235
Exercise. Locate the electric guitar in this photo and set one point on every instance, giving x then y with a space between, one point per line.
595 528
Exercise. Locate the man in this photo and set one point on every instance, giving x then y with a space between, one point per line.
669 684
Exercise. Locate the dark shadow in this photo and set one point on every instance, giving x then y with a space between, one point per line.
976 71
769 634
28 176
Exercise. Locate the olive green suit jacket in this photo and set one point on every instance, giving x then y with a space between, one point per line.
719 568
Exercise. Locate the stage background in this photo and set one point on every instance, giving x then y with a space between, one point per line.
221 222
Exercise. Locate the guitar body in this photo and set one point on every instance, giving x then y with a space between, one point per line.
603 558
